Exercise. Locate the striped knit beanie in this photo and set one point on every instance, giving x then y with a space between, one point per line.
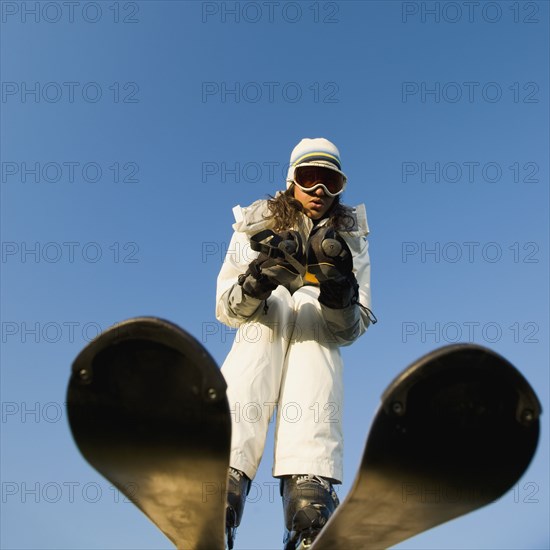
314 152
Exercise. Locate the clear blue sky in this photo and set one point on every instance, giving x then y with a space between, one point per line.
130 129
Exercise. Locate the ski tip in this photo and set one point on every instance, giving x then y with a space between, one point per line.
466 360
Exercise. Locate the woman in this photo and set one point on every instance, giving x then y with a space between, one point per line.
296 282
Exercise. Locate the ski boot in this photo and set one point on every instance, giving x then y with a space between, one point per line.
308 503
238 487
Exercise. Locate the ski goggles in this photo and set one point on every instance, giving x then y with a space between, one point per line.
309 178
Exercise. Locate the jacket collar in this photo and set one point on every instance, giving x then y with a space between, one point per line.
252 219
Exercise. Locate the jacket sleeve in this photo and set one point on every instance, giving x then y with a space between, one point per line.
347 324
233 307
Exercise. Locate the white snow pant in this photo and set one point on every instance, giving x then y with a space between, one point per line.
287 361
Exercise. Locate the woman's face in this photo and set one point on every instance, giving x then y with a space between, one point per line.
316 203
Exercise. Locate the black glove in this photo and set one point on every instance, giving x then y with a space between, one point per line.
280 262
328 255
339 294
330 260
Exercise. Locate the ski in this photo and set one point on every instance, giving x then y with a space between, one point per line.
454 432
148 410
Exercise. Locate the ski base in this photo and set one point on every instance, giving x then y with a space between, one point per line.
454 432
147 407
148 410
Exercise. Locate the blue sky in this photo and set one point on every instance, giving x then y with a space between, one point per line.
130 129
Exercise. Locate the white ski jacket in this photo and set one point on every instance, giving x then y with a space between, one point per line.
234 308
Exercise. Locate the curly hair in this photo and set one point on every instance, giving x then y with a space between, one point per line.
285 211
